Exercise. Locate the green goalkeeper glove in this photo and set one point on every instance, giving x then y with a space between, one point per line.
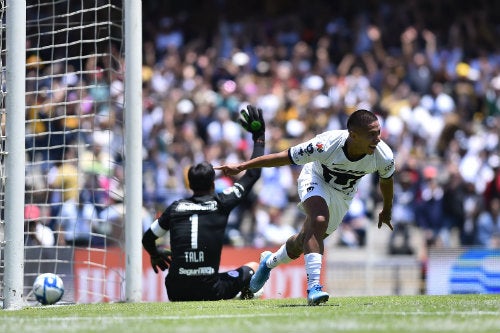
252 121
161 260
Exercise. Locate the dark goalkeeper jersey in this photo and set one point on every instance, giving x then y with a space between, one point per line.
197 226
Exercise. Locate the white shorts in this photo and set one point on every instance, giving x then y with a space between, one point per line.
310 185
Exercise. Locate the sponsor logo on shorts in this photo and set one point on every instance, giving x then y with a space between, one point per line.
196 271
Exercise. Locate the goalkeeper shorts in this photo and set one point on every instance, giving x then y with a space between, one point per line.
224 285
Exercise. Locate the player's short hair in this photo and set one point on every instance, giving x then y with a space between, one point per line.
360 118
201 176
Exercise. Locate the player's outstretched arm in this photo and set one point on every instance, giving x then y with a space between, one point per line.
270 160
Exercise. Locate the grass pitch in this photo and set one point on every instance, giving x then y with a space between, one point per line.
385 314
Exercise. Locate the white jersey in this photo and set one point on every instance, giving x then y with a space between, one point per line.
328 161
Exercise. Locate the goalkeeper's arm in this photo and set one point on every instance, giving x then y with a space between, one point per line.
253 121
252 175
149 242
160 259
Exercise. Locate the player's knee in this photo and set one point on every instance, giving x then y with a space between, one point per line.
320 224
253 265
320 219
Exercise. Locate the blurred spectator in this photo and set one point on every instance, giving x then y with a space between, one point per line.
273 228
464 93
62 180
223 128
35 231
403 212
493 98
111 219
74 223
473 205
438 101
38 113
353 227
429 213
488 224
454 202
275 187
169 36
492 189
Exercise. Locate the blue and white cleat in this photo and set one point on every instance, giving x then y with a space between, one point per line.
262 275
316 296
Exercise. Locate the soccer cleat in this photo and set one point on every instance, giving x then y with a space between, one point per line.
247 294
259 293
262 275
316 296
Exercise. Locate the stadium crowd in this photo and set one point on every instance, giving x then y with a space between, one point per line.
429 70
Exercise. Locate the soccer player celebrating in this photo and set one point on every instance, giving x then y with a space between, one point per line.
333 164
197 225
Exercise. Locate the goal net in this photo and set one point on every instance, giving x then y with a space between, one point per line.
74 185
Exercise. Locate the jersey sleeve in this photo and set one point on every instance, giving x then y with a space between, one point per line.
314 149
233 195
157 230
164 219
385 161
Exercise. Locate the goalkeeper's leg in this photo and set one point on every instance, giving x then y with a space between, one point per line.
235 283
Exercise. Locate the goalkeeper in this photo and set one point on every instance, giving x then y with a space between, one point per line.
197 225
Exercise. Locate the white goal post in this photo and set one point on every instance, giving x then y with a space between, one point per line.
13 156
77 148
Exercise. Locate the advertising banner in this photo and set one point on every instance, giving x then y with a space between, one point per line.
463 271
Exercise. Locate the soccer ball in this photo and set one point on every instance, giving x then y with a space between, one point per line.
48 288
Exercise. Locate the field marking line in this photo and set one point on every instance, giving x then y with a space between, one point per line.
170 317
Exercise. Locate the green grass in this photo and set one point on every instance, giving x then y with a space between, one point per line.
387 314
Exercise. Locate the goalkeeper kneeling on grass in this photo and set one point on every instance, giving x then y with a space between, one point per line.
197 225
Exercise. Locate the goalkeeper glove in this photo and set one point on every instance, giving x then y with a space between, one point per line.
252 121
161 260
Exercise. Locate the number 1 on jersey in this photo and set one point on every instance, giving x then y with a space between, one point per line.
194 230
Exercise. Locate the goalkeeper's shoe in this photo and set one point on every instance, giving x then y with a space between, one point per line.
316 296
247 294
262 275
